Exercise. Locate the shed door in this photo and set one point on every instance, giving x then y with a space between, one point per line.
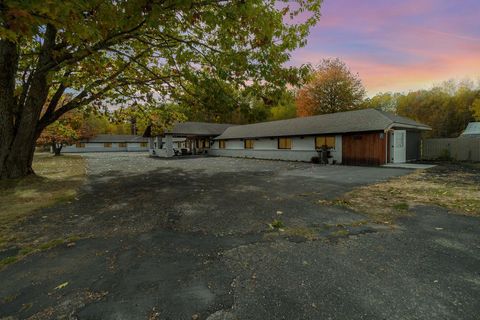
398 146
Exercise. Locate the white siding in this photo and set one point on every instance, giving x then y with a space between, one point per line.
265 144
303 149
303 143
100 147
233 144
136 146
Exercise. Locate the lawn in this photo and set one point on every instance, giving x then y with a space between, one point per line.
453 186
57 180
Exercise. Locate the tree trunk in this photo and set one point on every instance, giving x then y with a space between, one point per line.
57 148
14 162
18 163
19 123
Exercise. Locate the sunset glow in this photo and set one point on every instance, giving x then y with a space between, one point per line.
398 45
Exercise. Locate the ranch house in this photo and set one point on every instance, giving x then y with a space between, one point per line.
362 137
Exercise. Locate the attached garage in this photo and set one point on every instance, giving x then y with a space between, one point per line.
364 148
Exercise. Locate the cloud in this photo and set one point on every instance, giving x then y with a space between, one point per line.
398 45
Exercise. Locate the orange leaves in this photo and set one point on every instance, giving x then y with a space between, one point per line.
332 88
305 103
70 127
19 21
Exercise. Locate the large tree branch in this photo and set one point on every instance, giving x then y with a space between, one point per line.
35 93
111 40
84 97
140 64
52 105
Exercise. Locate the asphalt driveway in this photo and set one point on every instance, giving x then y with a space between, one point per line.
190 239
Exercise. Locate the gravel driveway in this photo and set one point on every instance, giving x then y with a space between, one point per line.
190 239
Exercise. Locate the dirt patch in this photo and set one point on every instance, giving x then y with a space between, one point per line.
453 186
322 231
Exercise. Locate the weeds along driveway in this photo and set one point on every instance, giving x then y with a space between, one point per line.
189 238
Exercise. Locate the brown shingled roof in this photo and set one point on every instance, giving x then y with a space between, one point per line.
341 122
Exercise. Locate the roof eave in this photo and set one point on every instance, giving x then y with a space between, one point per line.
410 126
302 134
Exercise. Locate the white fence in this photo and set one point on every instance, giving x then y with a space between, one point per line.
461 149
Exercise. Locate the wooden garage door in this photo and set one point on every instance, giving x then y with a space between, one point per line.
364 148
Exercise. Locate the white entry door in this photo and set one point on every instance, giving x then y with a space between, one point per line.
398 146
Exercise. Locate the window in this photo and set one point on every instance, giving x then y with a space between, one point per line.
143 144
221 144
284 143
80 145
122 144
325 141
248 143
202 143
107 144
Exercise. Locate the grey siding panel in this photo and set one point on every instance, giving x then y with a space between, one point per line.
413 145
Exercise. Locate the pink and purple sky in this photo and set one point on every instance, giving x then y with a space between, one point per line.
398 45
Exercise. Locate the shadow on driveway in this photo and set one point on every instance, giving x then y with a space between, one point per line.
190 240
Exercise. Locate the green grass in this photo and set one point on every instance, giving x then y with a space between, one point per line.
277 224
340 233
29 249
402 206
304 232
8 260
51 244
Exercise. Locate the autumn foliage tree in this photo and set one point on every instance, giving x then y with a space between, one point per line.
109 52
476 109
332 88
70 128
385 101
446 107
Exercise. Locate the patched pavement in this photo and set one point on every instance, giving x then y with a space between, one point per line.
189 239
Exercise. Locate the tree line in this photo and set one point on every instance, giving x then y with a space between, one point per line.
447 107
330 87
